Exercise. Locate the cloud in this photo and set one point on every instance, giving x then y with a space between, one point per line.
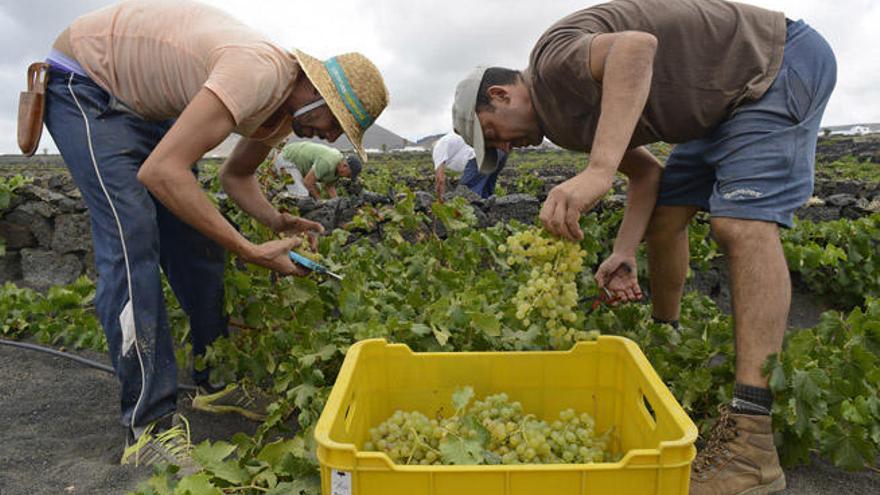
27 30
435 44
850 27
424 48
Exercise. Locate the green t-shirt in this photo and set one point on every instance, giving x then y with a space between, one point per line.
307 155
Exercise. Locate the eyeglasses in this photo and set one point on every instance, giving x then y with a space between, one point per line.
309 107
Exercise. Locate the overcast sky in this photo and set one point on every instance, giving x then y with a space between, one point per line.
424 47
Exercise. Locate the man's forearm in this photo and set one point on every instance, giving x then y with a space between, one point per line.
310 181
440 181
238 177
314 191
245 190
180 192
641 196
640 199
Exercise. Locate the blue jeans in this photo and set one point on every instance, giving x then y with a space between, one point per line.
759 163
484 185
133 234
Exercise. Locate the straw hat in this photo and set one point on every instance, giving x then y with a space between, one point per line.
353 88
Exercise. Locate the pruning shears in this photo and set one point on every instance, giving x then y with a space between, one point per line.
604 297
312 265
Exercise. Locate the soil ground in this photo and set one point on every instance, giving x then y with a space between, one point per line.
60 433
60 430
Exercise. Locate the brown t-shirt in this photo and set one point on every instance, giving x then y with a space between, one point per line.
712 56
155 55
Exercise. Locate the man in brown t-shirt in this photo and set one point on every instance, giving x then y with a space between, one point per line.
137 93
743 89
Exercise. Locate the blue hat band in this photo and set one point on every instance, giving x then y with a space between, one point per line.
349 98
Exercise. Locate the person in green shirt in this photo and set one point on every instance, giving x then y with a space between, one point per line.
310 163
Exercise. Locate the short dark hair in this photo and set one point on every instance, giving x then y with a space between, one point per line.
494 76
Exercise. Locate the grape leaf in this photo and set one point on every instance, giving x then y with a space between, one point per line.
486 323
456 450
855 412
208 454
230 472
461 397
295 488
473 423
777 377
808 384
420 329
441 334
199 484
299 289
849 451
274 452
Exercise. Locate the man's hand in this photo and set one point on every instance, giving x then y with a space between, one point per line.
310 181
274 256
440 181
286 223
618 274
565 203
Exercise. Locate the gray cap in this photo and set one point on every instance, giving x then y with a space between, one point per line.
354 164
466 123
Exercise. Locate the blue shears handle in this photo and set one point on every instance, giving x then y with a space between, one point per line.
311 265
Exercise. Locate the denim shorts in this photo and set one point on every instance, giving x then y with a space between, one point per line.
759 163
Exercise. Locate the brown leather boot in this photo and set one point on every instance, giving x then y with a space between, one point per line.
738 459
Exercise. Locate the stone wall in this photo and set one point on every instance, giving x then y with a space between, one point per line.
47 234
836 199
335 213
832 200
863 148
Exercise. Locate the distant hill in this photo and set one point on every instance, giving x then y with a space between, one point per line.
377 138
851 129
428 141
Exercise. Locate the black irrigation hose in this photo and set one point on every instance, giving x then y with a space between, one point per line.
77 358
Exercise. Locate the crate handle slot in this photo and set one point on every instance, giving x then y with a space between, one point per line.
349 415
648 409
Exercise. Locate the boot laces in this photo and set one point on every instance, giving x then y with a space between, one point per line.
722 433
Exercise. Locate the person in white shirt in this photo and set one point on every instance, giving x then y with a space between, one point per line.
450 151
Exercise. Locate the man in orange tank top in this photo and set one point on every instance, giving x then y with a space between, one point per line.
138 93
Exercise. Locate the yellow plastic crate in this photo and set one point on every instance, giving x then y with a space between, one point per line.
611 379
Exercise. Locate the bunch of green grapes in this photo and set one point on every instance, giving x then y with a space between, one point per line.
572 438
514 437
408 438
305 248
499 431
524 439
551 291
